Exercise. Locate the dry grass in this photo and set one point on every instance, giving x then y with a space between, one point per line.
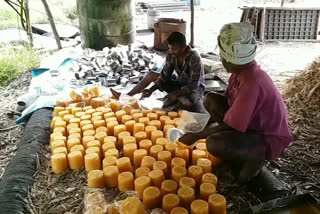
302 94
298 166
56 193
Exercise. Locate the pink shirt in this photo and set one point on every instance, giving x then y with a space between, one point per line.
257 105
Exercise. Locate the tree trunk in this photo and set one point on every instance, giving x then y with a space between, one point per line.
28 22
192 23
53 26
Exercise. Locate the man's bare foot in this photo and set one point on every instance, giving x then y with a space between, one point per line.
115 93
250 169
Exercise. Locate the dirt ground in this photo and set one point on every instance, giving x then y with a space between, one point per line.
280 60
10 132
298 167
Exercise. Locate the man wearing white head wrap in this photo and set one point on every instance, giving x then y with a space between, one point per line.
252 117
237 44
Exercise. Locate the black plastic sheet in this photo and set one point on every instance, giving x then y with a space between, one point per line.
266 186
18 176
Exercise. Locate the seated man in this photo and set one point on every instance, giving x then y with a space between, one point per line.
252 117
182 77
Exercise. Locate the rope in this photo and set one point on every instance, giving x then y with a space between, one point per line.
104 21
108 20
99 34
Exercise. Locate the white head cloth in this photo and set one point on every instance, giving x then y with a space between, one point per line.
237 43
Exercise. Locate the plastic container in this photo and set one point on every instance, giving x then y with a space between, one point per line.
106 23
163 28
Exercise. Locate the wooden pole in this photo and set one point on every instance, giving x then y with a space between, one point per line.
53 26
28 22
192 23
282 3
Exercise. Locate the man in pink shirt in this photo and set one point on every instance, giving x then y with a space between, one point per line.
252 116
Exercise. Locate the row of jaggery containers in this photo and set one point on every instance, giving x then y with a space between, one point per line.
127 149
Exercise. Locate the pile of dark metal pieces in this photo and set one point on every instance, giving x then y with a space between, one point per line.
115 66
164 6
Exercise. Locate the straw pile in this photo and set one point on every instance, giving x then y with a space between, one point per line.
302 94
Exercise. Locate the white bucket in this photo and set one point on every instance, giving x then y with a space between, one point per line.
152 16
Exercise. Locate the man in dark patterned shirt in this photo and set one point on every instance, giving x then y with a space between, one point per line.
182 77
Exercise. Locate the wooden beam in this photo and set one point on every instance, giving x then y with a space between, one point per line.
318 30
53 26
263 24
192 23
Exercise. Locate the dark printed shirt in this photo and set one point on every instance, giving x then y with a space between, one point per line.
190 78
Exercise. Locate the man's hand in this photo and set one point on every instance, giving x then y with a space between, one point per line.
170 99
189 138
146 93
